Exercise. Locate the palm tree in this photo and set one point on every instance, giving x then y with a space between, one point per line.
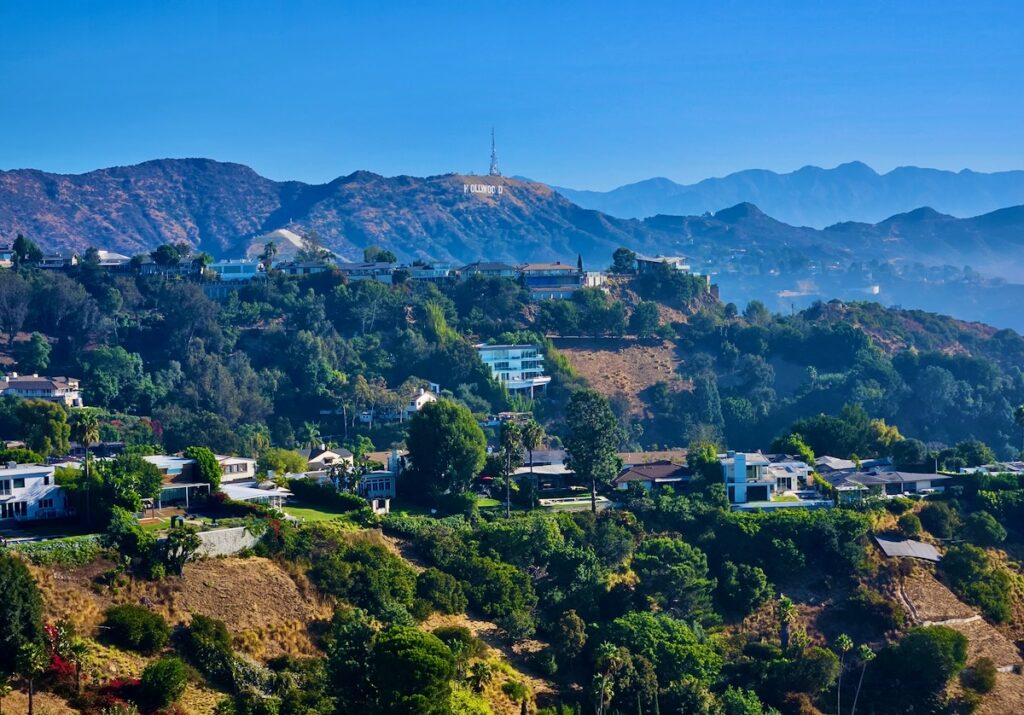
533 434
511 443
785 609
844 645
608 662
76 654
85 429
866 655
312 432
480 674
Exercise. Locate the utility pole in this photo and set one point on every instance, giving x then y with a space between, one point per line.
494 170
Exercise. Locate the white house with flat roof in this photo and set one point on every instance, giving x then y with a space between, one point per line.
29 492
519 368
746 477
237 269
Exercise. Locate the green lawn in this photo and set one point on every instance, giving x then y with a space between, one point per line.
312 513
785 497
487 502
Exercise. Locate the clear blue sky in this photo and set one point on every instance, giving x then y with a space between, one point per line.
583 94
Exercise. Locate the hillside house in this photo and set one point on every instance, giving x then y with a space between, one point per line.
179 480
28 492
362 271
241 270
649 264
746 477
6 255
552 280
519 368
236 469
322 458
852 485
489 269
652 475
62 390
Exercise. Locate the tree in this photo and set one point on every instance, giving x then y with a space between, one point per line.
910 524
794 444
593 439
15 299
376 254
32 356
511 444
281 461
938 519
447 449
21 610
866 655
170 254
207 465
843 645
533 435
645 320
674 574
163 682
85 429
136 628
180 545
31 663
44 427
268 254
982 528
909 454
1018 419
623 261
441 590
785 610
742 588
571 632
26 252
412 671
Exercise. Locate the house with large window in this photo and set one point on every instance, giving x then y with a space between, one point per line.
746 477
29 492
519 368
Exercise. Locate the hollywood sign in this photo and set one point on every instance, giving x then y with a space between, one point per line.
483 189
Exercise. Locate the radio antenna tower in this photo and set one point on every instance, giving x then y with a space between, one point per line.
494 171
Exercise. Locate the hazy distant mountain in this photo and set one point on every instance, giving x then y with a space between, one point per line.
221 208
813 196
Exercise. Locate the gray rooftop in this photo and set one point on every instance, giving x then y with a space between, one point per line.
907 547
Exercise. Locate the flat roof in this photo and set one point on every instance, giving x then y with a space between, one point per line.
892 547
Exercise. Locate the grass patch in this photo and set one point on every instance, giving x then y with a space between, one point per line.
487 502
313 513
785 497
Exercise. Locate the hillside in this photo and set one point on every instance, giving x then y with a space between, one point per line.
221 208
813 196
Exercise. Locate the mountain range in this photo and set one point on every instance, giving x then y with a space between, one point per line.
221 208
813 196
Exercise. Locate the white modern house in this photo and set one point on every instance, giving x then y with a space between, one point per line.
243 269
236 469
62 390
28 492
519 368
746 476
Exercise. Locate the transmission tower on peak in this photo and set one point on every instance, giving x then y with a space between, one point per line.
494 170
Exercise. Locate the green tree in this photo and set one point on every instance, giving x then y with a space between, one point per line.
412 671
44 427
443 591
21 610
644 321
1018 419
136 628
511 450
207 465
26 252
31 663
982 528
593 439
163 682
32 356
794 444
674 574
865 655
281 461
376 254
447 449
85 429
125 534
742 588
910 524
623 261
180 546
15 300
843 645
571 631
533 435
785 611
938 519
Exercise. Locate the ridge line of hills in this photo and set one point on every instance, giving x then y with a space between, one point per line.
220 207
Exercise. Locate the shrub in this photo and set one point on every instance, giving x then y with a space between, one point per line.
441 590
452 635
72 551
136 628
981 676
910 524
982 528
515 690
324 495
978 581
899 505
163 681
938 519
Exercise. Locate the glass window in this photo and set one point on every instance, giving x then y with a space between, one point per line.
19 483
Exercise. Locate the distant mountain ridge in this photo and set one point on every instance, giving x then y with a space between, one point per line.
221 207
813 196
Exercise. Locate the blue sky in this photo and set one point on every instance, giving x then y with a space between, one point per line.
582 94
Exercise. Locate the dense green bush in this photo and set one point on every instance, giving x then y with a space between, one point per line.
938 519
978 580
21 611
163 682
69 552
316 494
461 638
441 590
136 628
910 524
983 529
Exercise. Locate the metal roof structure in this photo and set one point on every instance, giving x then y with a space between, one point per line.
892 547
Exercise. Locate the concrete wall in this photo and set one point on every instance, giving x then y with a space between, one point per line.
225 542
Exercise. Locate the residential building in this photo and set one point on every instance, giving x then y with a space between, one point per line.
266 493
28 492
321 458
652 475
433 273
6 255
179 480
62 390
649 264
853 485
185 269
418 401
240 270
746 477
789 474
633 459
519 368
110 259
489 269
58 261
303 268
552 280
377 271
826 464
236 469
378 484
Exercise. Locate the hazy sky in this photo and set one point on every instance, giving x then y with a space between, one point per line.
583 94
